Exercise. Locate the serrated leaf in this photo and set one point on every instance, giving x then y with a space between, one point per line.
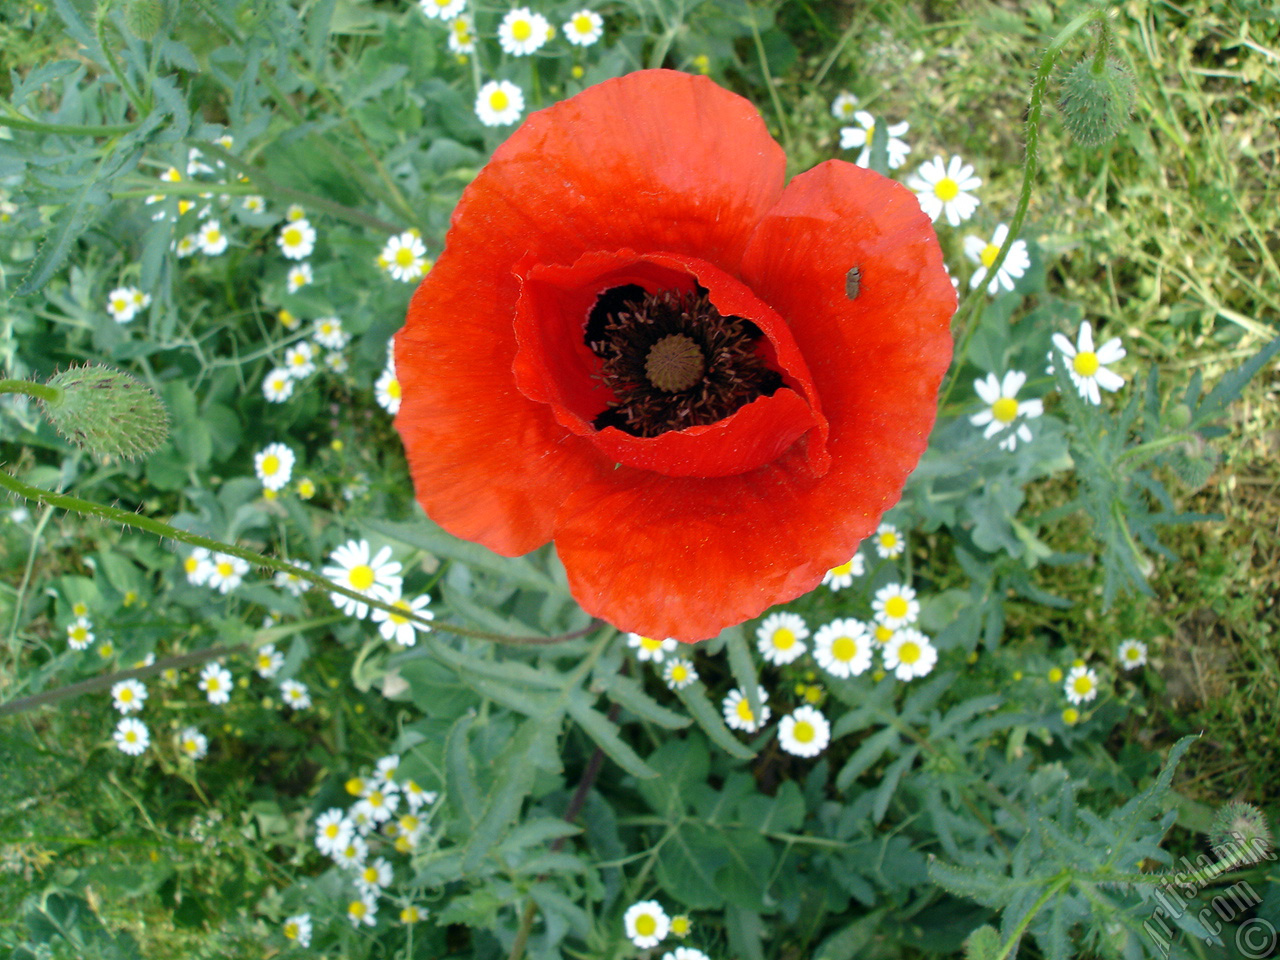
597 726
628 694
460 783
706 716
871 750
68 224
1232 385
506 796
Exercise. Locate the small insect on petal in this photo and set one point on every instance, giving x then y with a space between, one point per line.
853 282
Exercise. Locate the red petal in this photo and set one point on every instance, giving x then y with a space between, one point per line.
711 553
656 160
553 364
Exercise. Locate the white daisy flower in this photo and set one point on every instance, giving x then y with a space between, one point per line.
859 137
646 923
378 805
943 188
649 648
294 213
373 877
499 103
411 828
401 629
300 360
1088 368
880 634
843 648
415 796
462 35
1132 654
128 696
779 637
196 164
522 31
121 304
352 567
274 465
193 744
443 9
294 694
738 715
215 681
352 855
387 391
844 106
683 953
1004 409
384 770
298 929
679 673
254 204
287 580
837 578
80 634
889 542
198 566
297 239
277 387
404 257
804 732
186 246
584 28
909 653
298 277
267 661
363 911
132 736
227 572
984 253
896 606
329 333
210 238
1081 685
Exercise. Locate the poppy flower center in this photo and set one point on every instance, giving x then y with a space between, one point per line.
673 360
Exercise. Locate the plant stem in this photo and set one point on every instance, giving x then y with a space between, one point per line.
160 529
975 301
16 120
1060 883
768 82
40 391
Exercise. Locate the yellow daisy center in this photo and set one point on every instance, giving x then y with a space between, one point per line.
499 101
292 237
803 731
79 610
1070 716
190 564
106 650
842 570
214 685
361 577
646 925
357 909
355 786
213 235
270 464
988 254
131 736
120 304
522 30
582 24
370 875
404 257
871 132
650 644
1082 685
946 189
224 569
680 926
376 799
291 931
844 649
744 711
784 638
888 540
306 490
189 745
883 633
1086 363
909 652
393 389
395 617
184 206
409 915
126 695
896 607
78 633
1005 409
679 673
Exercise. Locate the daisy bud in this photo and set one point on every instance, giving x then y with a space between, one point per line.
143 17
107 412
1097 99
1240 833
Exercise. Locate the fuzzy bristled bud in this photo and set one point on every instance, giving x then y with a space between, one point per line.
1240 833
143 17
107 412
1097 98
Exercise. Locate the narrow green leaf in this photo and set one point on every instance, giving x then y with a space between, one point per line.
628 694
460 785
743 667
597 726
871 750
503 804
706 716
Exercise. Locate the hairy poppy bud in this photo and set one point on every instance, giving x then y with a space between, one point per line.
107 412
1097 98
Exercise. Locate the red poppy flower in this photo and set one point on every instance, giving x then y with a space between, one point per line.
706 385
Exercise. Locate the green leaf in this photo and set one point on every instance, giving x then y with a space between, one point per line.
628 694
460 784
516 766
597 726
743 667
706 716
